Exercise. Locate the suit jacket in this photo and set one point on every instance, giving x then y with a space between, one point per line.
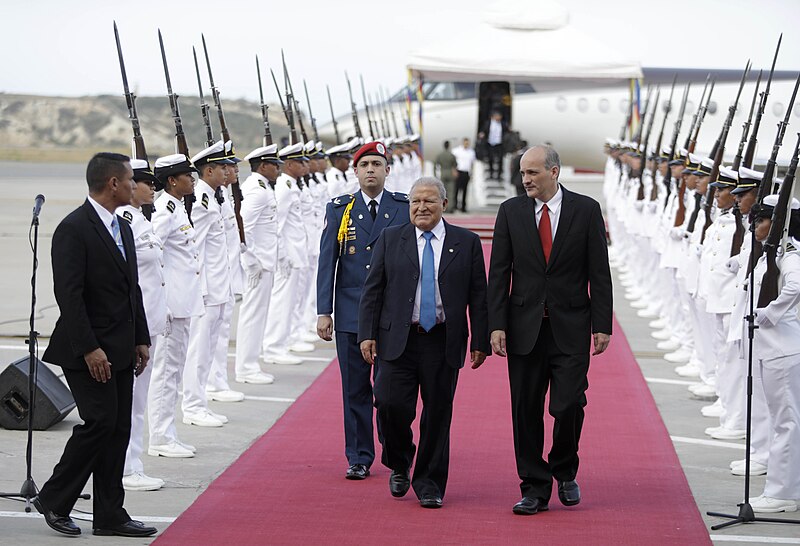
575 284
97 291
341 274
387 302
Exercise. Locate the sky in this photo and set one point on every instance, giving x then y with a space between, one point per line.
53 47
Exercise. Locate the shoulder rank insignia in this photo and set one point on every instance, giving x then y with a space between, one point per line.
790 247
128 216
171 206
261 183
398 196
204 200
343 200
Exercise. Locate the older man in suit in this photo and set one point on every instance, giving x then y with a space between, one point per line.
100 340
549 295
424 279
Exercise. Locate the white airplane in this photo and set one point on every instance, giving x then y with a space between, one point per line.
577 120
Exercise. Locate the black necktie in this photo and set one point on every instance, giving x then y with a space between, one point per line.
373 209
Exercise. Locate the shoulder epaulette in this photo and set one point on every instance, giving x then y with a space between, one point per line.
398 196
789 247
128 216
204 200
171 206
342 200
262 184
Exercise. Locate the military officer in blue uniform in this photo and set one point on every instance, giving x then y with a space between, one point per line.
353 223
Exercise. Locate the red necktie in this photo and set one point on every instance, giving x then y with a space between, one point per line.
546 233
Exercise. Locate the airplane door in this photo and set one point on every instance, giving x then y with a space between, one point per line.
492 96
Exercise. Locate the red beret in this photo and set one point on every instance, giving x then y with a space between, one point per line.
372 148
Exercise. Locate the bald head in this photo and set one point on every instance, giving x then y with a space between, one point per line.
540 167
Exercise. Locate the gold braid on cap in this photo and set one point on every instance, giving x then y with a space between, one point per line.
342 235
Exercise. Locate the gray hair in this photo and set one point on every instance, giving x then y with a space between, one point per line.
429 181
551 158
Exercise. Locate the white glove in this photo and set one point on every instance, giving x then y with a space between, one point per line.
242 248
762 318
652 205
676 233
732 265
253 278
698 249
168 327
638 205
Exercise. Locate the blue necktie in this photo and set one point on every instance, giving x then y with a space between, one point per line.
118 236
427 304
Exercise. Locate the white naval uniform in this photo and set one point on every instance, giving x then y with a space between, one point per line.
337 182
776 351
218 378
308 275
150 259
260 217
352 181
292 258
182 272
215 287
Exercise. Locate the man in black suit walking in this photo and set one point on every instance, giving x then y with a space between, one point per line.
425 277
100 340
549 295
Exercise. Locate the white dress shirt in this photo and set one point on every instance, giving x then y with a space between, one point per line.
437 242
105 216
367 199
465 157
495 135
553 207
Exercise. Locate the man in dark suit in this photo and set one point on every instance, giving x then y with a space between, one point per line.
425 277
549 295
100 340
353 223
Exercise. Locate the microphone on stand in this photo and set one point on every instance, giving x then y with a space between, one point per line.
37 207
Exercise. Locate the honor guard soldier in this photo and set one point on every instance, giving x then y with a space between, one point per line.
182 272
353 223
340 157
260 218
292 257
350 175
215 285
218 388
150 260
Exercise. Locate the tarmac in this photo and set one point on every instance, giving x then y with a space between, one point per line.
704 461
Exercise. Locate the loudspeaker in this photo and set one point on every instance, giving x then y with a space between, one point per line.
53 399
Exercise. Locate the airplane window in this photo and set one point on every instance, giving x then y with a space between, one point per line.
561 104
440 91
777 108
602 105
465 90
523 89
712 107
583 104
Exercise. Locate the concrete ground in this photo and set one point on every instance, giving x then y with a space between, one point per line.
704 461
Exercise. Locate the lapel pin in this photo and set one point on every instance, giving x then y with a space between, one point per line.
451 250
385 214
360 216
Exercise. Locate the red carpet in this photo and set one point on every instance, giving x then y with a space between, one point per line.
289 487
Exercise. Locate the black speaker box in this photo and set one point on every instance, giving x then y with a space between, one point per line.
53 399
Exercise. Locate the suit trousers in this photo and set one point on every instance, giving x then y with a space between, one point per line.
420 370
203 338
253 314
462 181
359 439
141 387
279 324
168 363
530 376
496 161
97 447
218 378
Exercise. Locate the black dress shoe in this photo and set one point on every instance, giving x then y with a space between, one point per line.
130 528
399 482
569 493
357 472
430 501
529 506
62 524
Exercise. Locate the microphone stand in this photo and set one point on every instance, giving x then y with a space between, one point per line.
746 514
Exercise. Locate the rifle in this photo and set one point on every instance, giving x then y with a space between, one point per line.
720 151
654 192
137 146
264 108
333 116
696 114
311 114
640 130
751 144
290 100
180 137
236 191
356 124
780 216
680 214
203 104
701 114
286 112
372 132
627 121
647 141
391 111
738 235
379 115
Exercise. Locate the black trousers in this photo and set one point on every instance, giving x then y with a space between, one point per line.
359 441
462 180
420 370
495 161
97 447
530 376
